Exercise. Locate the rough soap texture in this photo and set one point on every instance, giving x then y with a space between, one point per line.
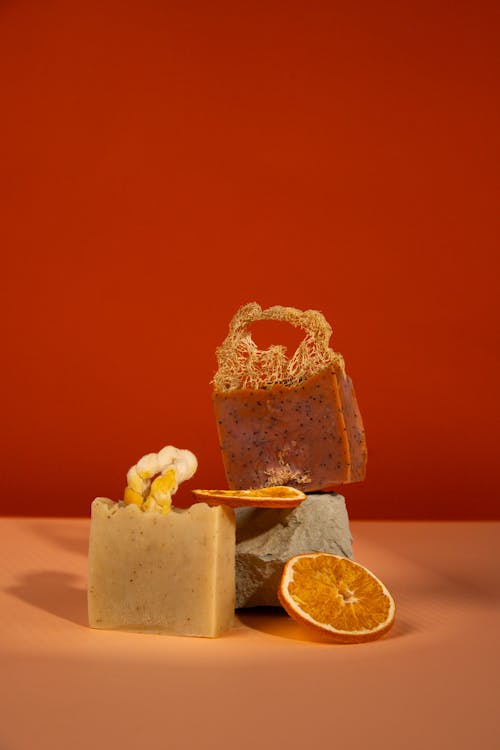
308 436
266 539
158 573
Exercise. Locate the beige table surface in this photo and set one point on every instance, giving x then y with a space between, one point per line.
432 682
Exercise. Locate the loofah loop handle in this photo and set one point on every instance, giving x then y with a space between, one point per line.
243 365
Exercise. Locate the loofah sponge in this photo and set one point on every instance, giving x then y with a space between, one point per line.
243 365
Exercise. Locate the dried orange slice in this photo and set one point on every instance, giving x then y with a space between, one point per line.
337 597
267 497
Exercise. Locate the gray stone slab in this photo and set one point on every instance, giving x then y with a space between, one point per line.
266 538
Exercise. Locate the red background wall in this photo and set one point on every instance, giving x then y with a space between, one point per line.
164 163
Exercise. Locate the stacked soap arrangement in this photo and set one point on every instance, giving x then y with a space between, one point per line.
289 421
289 431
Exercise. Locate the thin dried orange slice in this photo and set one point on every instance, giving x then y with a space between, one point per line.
267 497
337 597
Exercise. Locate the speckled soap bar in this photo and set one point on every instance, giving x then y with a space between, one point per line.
309 436
156 573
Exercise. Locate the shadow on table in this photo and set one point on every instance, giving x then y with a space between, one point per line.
54 592
274 621
63 533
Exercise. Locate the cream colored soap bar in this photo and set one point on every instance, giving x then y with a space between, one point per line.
161 573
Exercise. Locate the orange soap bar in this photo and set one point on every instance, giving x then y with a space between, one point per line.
308 436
